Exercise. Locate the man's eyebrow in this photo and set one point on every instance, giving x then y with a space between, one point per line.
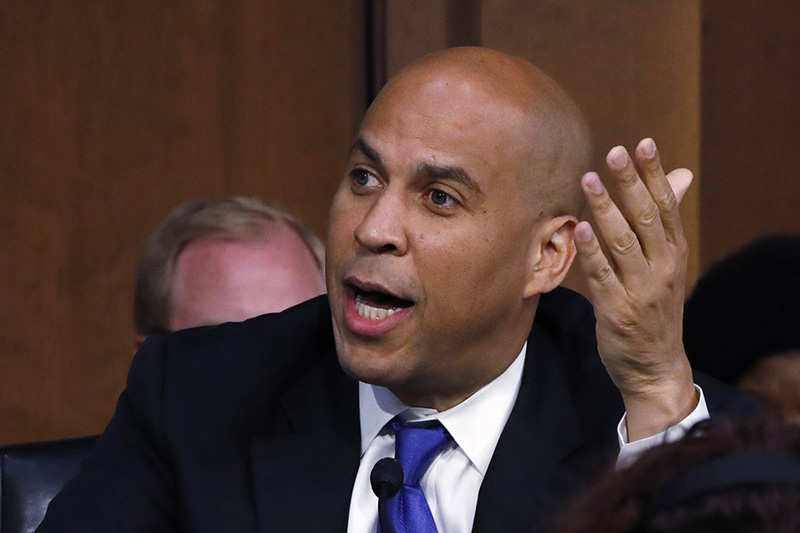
456 174
360 145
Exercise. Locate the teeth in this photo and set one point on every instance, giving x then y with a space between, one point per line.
372 313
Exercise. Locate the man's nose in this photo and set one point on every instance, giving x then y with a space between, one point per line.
383 230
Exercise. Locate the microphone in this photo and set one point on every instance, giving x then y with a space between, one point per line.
386 479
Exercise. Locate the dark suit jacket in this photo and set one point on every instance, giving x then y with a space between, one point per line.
253 426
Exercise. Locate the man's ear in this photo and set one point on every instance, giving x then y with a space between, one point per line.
551 254
137 342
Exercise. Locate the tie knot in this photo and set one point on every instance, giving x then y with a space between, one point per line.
417 445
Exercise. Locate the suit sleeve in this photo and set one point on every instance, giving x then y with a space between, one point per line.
126 484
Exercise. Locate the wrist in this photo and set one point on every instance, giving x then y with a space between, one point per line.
659 406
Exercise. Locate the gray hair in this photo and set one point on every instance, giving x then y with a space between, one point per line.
234 217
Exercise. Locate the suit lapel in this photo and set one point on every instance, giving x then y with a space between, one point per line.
525 478
303 479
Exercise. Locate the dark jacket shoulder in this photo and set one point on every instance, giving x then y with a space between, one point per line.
230 375
570 320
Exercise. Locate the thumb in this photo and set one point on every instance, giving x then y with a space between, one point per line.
680 179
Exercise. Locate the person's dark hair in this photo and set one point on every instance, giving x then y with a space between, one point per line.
744 309
234 218
741 477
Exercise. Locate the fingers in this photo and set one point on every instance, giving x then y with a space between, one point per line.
623 245
661 189
679 180
637 216
602 280
635 199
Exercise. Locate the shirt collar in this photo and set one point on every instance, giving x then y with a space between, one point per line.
475 424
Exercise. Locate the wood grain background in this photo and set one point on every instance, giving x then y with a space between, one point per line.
111 114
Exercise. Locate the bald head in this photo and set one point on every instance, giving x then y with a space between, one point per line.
457 210
542 128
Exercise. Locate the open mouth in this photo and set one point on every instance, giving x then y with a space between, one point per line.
378 305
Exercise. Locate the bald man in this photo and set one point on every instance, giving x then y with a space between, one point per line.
444 342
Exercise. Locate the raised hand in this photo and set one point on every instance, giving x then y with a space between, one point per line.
638 288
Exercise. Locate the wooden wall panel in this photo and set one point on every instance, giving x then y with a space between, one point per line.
750 123
112 113
414 28
632 67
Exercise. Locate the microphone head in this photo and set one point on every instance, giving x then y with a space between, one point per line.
386 477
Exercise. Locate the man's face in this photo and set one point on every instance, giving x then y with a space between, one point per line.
428 242
775 383
221 280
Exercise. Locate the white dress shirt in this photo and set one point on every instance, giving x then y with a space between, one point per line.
453 480
628 452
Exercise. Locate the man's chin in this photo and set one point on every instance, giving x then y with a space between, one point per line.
370 366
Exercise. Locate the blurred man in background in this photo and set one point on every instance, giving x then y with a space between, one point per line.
223 260
742 323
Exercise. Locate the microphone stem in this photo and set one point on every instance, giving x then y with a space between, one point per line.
383 513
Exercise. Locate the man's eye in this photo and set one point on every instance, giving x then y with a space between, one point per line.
361 177
441 198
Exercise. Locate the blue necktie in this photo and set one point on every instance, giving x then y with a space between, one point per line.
416 446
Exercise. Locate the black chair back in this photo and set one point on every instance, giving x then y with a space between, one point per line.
31 474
